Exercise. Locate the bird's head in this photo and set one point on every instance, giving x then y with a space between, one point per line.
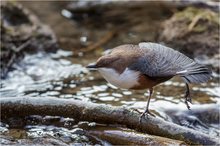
105 61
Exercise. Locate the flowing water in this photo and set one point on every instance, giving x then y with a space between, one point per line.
63 75
47 74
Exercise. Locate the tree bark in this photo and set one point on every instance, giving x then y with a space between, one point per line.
100 113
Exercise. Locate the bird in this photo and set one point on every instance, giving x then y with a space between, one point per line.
146 65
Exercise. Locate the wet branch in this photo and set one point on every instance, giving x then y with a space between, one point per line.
100 113
120 137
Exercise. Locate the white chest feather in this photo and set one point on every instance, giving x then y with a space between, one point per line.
125 80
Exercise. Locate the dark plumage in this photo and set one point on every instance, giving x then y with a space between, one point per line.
161 61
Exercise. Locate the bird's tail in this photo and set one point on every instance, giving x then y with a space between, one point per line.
195 73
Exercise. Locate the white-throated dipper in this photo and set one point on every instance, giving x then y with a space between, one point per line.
146 65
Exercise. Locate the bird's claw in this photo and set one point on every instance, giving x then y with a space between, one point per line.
188 99
187 104
147 112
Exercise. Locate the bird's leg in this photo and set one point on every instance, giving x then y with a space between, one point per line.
188 93
187 96
147 107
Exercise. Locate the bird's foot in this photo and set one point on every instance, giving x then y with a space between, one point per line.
188 99
187 104
147 112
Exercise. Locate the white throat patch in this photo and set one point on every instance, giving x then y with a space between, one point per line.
126 80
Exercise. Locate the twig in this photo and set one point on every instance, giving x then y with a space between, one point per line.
102 41
194 22
22 46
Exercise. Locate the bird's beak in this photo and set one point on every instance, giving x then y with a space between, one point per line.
91 66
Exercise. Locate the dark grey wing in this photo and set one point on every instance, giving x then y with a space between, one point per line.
161 61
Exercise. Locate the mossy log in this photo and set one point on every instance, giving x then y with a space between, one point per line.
100 113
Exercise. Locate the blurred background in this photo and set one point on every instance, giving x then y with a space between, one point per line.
45 46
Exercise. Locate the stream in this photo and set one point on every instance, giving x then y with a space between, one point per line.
54 75
63 75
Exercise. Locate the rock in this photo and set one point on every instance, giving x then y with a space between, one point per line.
31 142
202 118
193 31
22 32
15 122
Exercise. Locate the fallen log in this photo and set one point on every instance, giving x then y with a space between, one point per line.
100 113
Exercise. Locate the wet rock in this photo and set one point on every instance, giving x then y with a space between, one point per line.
34 142
4 140
48 120
67 122
86 125
22 32
193 31
77 131
33 120
48 141
83 125
62 134
15 122
3 127
203 118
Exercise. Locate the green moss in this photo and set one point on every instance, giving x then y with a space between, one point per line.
199 28
206 18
